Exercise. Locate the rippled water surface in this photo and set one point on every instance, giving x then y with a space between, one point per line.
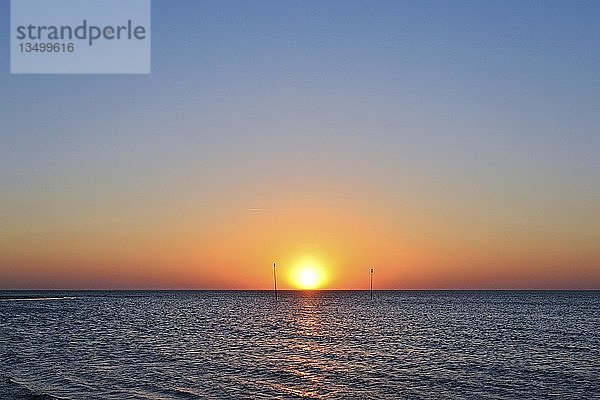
337 344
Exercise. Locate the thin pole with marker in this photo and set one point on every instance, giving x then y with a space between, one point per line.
275 280
371 282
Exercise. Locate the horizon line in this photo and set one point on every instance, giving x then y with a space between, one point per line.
305 290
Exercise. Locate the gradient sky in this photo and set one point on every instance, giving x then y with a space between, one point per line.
448 144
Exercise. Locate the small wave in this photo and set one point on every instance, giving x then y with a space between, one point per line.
38 298
24 392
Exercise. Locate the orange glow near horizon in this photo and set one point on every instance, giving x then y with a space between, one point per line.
224 246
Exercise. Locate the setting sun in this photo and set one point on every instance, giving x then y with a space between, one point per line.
308 276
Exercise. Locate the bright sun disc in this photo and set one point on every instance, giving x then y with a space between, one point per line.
308 277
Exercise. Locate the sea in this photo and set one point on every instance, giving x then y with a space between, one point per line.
304 344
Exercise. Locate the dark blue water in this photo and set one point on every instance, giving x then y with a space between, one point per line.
330 345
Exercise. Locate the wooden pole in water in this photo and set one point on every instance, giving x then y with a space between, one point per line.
275 280
371 282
